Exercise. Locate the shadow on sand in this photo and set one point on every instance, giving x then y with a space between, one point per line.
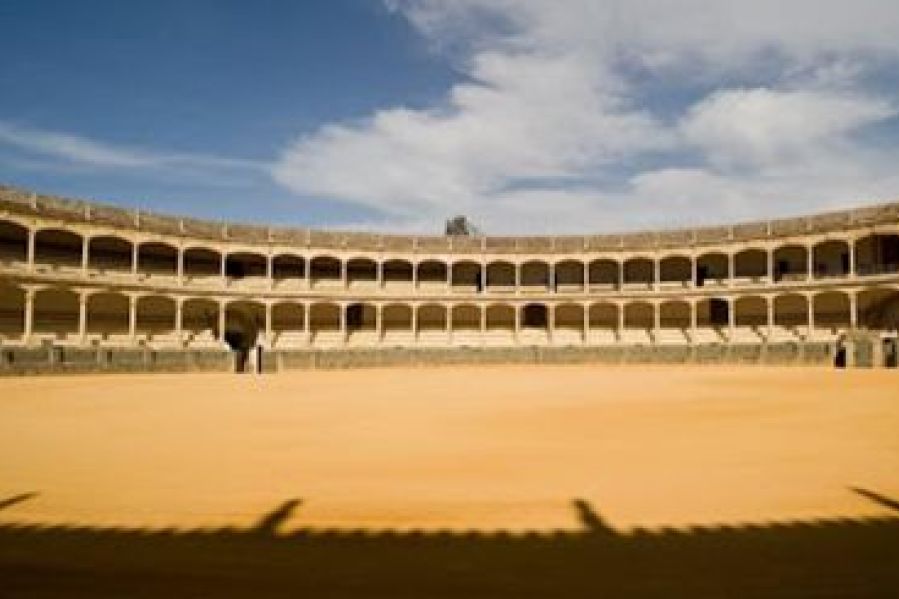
819 558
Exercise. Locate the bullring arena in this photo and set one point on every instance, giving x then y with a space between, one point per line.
440 415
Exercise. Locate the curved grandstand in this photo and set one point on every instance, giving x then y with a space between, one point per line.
90 286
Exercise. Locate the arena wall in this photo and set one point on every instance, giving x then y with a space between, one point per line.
94 280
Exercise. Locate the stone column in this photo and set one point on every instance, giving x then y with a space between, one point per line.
517 269
449 324
656 273
550 321
270 271
853 310
657 318
344 278
731 319
379 323
414 275
620 322
770 255
135 258
223 313
30 252
414 323
769 304
180 264
223 270
132 318
342 316
85 254
306 328
268 324
810 303
551 277
28 325
693 320
82 317
851 258
693 271
586 315
517 324
810 262
179 317
731 269
307 271
621 275
449 276
483 277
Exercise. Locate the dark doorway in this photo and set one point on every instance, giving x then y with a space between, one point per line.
719 312
891 353
702 273
239 344
839 358
535 316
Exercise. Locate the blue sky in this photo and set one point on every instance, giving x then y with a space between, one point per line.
528 115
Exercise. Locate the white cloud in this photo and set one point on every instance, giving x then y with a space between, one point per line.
553 129
758 127
82 151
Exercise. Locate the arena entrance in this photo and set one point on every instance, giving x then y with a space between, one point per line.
242 323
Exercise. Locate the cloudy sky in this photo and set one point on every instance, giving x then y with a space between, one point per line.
527 115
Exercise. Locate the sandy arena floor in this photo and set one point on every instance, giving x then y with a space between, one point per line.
464 447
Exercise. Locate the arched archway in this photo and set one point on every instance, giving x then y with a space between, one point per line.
109 253
535 276
58 248
157 259
361 324
639 320
466 277
155 323
832 314
324 324
398 274
603 323
466 324
288 325
501 276
288 270
831 258
361 273
202 266
674 322
108 318
325 271
568 328
790 263
790 317
750 319
877 254
56 313
712 269
639 273
432 275
534 324
569 276
13 243
500 325
878 309
751 265
12 312
432 325
604 274
676 271
200 323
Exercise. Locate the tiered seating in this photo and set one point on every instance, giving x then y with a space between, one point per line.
568 336
533 336
636 336
362 338
707 335
750 334
671 336
399 337
466 338
498 337
433 337
781 333
602 336
289 339
327 339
